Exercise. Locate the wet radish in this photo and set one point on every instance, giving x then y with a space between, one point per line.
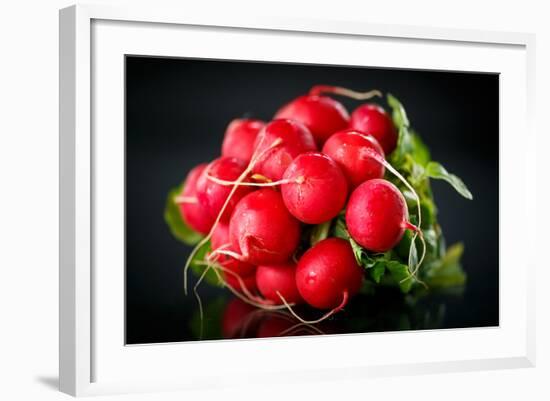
327 275
262 230
213 195
377 215
220 236
352 150
314 188
278 278
237 319
237 282
191 210
222 251
239 138
373 120
321 114
294 139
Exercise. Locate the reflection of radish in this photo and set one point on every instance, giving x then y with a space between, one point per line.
377 215
281 278
191 210
352 149
213 195
262 229
275 325
240 137
321 114
373 120
328 274
294 139
315 188
235 318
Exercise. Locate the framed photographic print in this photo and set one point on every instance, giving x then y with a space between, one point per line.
256 189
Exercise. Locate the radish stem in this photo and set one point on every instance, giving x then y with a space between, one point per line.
337 90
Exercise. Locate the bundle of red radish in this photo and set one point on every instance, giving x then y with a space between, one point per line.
314 205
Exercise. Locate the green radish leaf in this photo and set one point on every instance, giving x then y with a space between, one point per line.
399 115
430 236
413 255
447 271
403 148
320 232
429 211
377 271
400 273
437 171
367 288
172 216
198 264
340 230
420 152
453 254
453 277
360 255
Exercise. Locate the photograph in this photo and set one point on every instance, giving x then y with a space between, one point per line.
271 199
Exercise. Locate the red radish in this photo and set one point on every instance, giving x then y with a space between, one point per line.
262 229
235 316
377 215
352 150
373 120
213 195
220 242
233 281
328 274
315 188
295 139
231 264
278 278
220 236
236 266
191 210
209 187
240 137
321 114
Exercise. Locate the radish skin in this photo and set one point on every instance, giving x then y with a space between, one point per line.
278 278
352 150
262 230
373 120
240 137
248 281
328 274
213 195
321 114
294 139
377 215
191 210
315 188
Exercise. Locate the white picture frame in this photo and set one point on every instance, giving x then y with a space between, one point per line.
93 358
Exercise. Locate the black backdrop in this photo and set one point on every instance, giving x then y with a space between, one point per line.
176 114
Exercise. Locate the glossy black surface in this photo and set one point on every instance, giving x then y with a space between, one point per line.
177 111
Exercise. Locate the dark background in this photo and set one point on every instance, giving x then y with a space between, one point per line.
176 114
